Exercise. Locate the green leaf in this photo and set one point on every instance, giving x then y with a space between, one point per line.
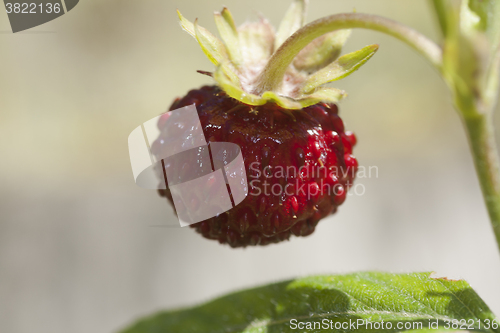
414 300
294 19
321 51
227 30
342 67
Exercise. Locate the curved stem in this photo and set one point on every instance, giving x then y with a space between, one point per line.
480 132
272 75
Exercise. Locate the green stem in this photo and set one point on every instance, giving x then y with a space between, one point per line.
477 123
272 75
480 132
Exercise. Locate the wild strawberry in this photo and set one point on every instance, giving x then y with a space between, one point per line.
298 157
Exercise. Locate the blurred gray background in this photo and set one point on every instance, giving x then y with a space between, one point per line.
78 248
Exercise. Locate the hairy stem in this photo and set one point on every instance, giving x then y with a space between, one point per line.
272 75
480 132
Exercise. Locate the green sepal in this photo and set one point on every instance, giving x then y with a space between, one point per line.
321 51
256 41
186 24
229 82
231 86
213 48
283 101
234 90
229 34
323 94
294 19
246 49
340 68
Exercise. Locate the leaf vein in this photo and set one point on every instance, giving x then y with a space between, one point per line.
460 300
404 293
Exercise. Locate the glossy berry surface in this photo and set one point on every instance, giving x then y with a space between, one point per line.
299 166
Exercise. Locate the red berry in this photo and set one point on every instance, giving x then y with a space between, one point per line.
294 204
351 137
346 143
339 194
351 164
298 160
